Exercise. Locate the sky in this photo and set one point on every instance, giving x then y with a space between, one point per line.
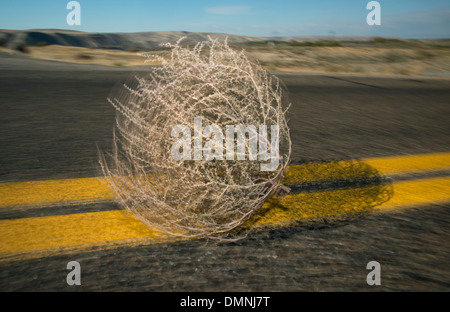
399 18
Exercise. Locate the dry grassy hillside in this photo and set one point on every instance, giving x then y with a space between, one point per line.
365 56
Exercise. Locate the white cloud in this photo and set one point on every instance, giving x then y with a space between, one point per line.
227 10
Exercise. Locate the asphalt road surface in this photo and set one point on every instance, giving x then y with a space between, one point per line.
54 115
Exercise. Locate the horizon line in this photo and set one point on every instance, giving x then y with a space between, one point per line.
222 33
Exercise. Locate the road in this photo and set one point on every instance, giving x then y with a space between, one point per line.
55 115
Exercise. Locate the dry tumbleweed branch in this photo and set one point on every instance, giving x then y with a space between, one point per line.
197 197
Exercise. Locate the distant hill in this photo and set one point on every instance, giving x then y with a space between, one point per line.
127 41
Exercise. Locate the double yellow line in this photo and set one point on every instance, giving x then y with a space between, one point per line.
43 236
96 189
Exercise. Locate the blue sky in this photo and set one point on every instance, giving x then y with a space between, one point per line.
402 18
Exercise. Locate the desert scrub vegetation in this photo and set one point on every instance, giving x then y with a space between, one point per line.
369 56
21 47
84 56
194 198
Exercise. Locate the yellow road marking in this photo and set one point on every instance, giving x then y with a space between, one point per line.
69 230
346 169
327 171
85 189
30 236
419 192
53 191
334 203
411 163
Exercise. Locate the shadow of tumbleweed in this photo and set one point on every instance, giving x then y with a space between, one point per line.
323 193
